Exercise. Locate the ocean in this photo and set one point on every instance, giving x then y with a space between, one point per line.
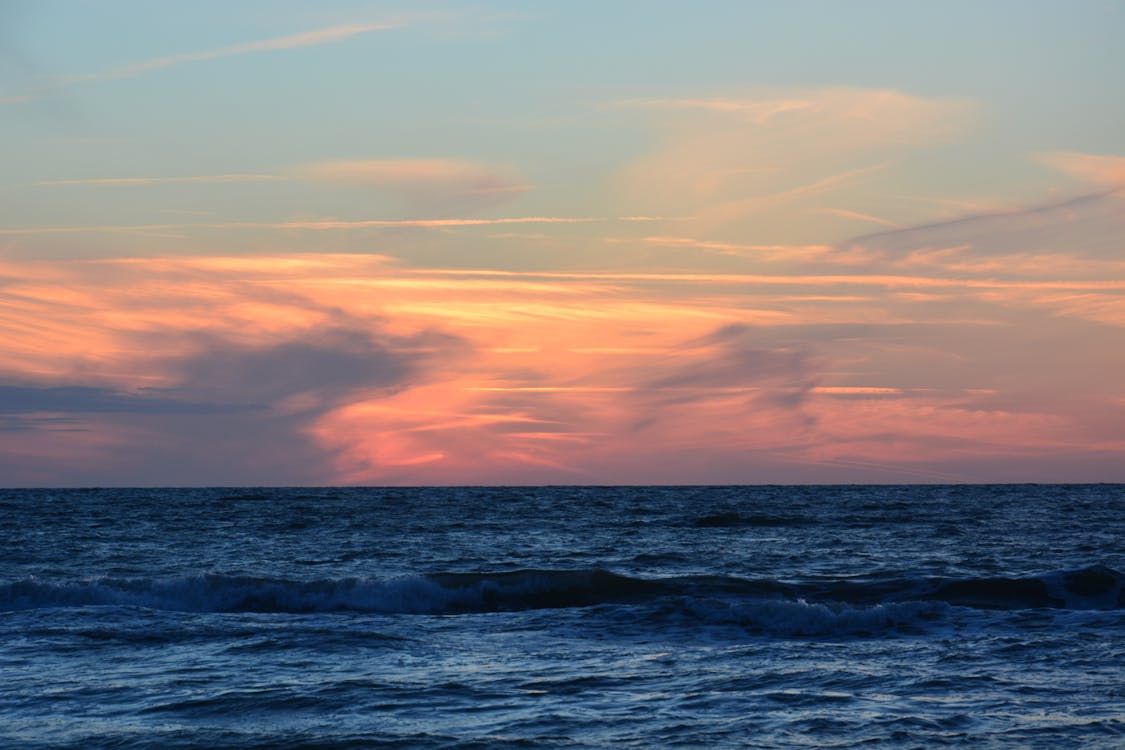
596 617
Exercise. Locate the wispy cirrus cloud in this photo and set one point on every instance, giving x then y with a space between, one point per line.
329 224
424 185
424 188
856 215
423 175
727 212
732 248
16 399
312 38
1094 168
886 280
1083 226
453 175
767 163
915 363
190 179
759 111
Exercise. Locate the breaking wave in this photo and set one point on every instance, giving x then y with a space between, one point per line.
713 598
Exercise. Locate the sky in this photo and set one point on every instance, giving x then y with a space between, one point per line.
628 242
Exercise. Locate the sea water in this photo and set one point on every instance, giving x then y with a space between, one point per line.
647 617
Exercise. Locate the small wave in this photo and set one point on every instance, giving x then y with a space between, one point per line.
215 592
734 519
244 497
240 702
801 618
1094 587
442 593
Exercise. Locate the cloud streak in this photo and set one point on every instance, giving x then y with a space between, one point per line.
758 111
93 400
431 186
425 175
1093 168
196 179
725 160
348 368
249 333
330 224
312 38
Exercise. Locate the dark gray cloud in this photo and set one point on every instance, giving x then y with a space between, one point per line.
74 399
1086 226
330 361
20 423
774 377
227 421
732 357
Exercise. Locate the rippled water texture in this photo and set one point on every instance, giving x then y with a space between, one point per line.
895 617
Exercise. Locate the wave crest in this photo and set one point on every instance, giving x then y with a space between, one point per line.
1094 587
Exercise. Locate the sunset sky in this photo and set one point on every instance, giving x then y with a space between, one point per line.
250 243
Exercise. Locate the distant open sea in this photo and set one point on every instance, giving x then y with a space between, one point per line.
646 617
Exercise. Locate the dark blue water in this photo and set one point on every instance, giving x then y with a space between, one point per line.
563 617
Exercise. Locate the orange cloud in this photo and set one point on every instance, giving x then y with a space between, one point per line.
725 160
924 360
890 113
844 213
1093 168
326 224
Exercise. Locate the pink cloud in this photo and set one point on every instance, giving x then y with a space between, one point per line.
303 39
726 160
916 364
428 185
1092 168
322 224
